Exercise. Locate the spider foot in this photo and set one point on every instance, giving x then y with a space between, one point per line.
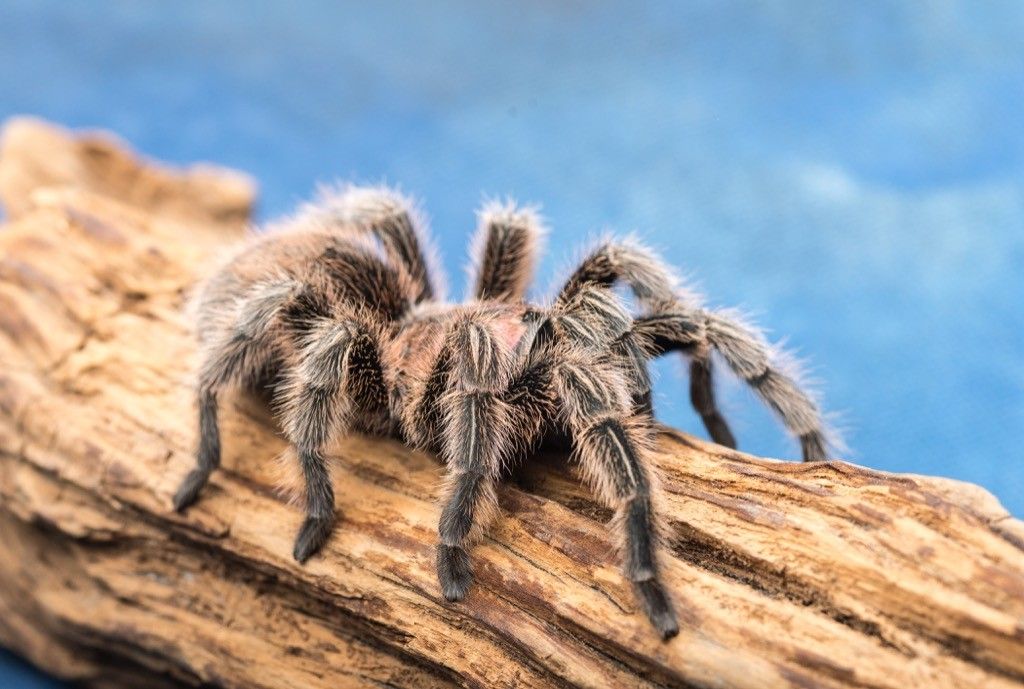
189 489
813 447
312 536
658 607
453 571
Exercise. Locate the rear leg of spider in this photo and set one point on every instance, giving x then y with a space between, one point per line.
394 220
504 251
338 374
207 457
702 397
238 355
698 331
673 320
654 285
600 375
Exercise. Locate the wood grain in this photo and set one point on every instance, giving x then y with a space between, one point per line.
785 574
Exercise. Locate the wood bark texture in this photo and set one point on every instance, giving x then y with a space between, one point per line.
784 574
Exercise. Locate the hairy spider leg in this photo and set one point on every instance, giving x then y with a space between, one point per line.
611 440
338 371
395 221
750 357
504 251
240 354
674 321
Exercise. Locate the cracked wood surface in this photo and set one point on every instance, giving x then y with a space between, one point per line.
785 574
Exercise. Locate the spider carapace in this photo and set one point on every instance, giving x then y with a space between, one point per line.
338 311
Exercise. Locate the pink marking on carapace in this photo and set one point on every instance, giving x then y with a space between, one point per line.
510 329
418 343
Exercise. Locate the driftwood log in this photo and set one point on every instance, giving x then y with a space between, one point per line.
785 574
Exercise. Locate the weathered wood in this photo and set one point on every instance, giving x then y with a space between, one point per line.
785 574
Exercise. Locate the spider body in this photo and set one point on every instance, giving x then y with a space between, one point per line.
337 312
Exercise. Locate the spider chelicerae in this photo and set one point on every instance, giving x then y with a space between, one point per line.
338 312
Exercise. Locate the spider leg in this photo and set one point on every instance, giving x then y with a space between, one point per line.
475 437
653 284
595 319
531 402
600 373
666 332
650 280
745 350
337 374
394 220
504 251
702 397
612 444
239 353
674 320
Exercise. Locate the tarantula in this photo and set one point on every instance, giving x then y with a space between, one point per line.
337 314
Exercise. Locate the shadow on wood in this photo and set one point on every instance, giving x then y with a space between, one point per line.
785 574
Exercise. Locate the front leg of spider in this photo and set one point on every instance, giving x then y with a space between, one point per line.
475 420
597 378
235 355
611 446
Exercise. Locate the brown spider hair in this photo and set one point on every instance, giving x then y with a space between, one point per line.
339 312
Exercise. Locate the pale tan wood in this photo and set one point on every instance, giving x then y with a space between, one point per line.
785 574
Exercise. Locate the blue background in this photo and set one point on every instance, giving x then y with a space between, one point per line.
851 173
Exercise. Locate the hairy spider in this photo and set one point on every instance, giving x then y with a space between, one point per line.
337 311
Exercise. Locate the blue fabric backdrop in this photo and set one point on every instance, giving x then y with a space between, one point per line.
851 173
